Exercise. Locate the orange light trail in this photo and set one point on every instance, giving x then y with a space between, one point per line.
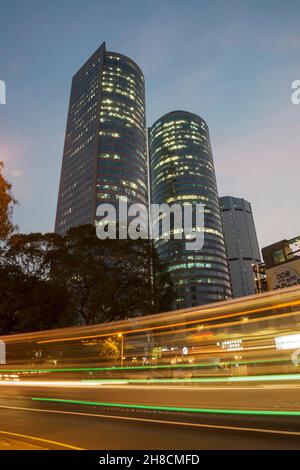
174 325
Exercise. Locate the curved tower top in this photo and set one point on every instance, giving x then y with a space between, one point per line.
176 114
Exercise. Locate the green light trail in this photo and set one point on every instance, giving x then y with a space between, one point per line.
171 408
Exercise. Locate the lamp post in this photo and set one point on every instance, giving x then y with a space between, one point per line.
122 348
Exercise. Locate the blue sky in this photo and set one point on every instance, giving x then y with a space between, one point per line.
230 61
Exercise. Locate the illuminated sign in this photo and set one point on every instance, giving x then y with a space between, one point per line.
285 275
231 345
287 342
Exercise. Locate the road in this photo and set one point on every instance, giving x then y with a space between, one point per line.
150 417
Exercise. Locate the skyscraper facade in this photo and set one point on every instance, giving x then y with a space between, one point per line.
241 244
105 156
182 171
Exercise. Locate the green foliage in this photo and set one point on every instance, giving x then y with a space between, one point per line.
109 350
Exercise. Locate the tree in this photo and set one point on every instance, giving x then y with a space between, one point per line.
109 350
29 304
51 280
32 253
111 279
31 300
7 201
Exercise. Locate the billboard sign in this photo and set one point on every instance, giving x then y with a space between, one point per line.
285 275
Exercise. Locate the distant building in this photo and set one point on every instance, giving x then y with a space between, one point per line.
182 172
260 278
241 244
105 153
282 261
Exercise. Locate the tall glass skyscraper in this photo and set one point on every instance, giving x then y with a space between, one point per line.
105 155
182 171
241 244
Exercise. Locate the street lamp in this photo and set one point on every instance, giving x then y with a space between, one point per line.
122 348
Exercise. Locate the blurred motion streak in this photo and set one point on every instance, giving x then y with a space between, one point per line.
235 340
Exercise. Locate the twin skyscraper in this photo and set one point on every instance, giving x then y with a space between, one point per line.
109 156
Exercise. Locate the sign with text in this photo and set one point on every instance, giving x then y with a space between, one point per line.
285 275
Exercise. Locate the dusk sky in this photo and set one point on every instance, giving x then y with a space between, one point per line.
232 62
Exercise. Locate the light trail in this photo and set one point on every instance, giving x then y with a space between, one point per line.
232 411
129 368
158 384
60 384
122 385
91 382
172 325
248 378
249 349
